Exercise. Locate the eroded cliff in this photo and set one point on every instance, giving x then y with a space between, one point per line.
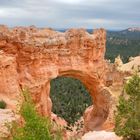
35 56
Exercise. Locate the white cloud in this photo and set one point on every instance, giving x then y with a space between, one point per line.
70 1
13 12
71 13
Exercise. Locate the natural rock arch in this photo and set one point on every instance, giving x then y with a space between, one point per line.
39 55
97 114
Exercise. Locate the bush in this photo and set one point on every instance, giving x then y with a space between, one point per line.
36 127
127 119
2 104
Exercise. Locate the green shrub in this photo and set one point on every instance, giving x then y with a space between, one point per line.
127 117
2 104
36 127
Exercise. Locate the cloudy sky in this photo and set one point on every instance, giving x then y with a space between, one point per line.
110 14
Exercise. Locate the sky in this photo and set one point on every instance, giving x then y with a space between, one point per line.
108 14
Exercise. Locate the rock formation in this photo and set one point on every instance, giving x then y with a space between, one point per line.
6 118
132 66
9 81
100 135
32 57
118 62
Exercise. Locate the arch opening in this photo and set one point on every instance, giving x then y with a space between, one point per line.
95 117
70 98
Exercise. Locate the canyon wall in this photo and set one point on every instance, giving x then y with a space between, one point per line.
36 56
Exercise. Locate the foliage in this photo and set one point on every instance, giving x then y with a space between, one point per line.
2 104
70 98
123 43
36 127
128 111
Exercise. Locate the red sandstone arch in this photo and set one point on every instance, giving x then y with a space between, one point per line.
40 55
95 116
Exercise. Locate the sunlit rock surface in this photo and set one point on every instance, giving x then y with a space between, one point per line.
100 135
6 118
9 81
132 66
36 56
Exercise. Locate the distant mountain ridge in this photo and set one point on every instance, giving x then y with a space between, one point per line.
125 42
134 29
131 29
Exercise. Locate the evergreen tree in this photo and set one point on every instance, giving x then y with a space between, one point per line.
35 126
127 119
70 98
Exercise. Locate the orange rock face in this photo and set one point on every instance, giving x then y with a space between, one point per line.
36 56
9 81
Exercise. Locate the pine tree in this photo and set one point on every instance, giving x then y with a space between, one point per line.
127 119
35 127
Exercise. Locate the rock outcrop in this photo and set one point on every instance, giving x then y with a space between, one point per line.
32 57
132 66
9 81
101 135
7 116
118 62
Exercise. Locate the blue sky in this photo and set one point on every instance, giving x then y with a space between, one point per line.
109 14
